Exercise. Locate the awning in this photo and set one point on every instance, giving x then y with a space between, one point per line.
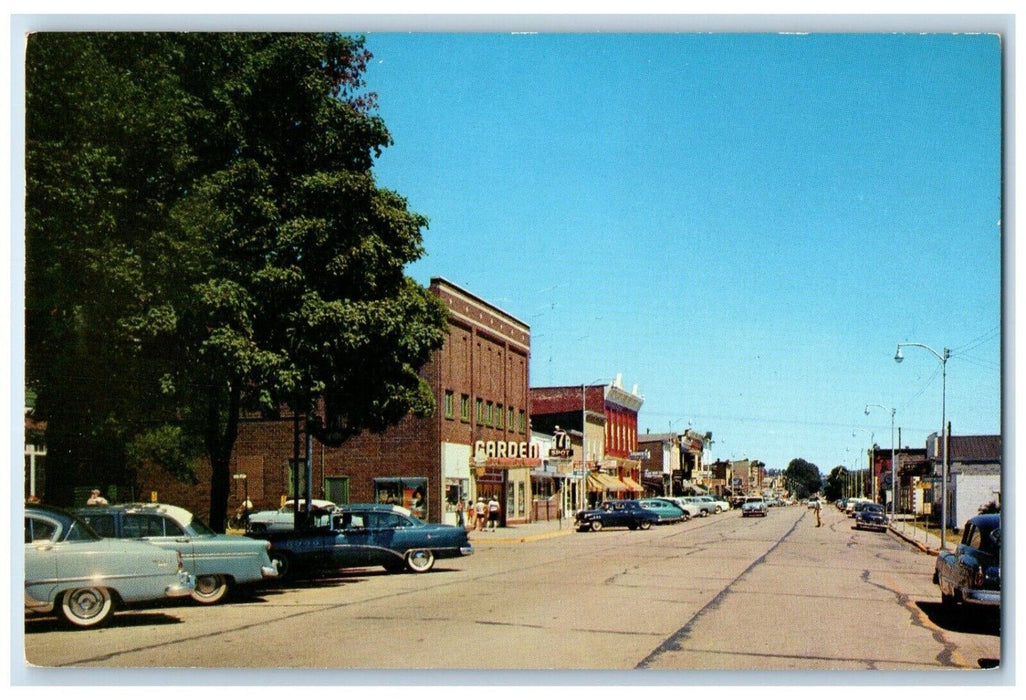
632 485
597 481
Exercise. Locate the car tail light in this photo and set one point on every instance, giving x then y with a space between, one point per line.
978 578
267 544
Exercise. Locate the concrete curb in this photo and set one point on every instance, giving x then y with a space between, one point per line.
919 545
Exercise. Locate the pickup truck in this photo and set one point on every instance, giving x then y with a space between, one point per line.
972 573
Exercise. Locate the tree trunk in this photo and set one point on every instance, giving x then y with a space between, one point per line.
221 435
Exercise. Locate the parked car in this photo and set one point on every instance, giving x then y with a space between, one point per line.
719 505
705 507
667 511
692 510
627 514
871 516
849 506
972 573
283 519
368 534
218 562
84 577
753 505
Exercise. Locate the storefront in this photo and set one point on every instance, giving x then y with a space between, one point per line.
502 470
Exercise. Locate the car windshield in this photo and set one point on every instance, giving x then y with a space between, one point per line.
201 527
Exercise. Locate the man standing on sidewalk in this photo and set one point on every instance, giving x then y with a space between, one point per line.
816 507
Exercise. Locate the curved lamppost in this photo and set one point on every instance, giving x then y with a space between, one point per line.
894 483
943 357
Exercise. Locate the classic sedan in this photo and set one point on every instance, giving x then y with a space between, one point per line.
282 520
871 516
972 573
371 534
667 511
219 562
629 514
719 505
84 577
753 505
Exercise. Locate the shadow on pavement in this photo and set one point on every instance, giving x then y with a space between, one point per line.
961 618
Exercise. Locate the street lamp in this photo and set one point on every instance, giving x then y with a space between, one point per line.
943 357
872 441
894 483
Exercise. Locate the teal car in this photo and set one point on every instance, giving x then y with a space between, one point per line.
220 563
667 511
71 570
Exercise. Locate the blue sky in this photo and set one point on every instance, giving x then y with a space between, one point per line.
743 225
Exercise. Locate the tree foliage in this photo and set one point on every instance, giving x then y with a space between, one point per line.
835 482
228 247
803 478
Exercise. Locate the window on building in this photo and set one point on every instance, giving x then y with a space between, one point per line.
489 406
499 416
522 422
480 411
450 405
465 408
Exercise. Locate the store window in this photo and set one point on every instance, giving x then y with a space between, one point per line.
408 492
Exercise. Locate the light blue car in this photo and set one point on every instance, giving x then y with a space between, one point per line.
667 511
219 562
72 570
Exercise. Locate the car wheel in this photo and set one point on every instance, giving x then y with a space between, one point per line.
87 607
645 524
705 513
718 510
283 562
210 589
420 560
596 525
687 517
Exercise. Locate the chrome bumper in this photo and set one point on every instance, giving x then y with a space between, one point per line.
466 550
185 586
269 571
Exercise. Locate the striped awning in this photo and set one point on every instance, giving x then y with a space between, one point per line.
597 481
632 485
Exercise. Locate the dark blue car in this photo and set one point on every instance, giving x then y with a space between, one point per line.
629 514
363 535
972 573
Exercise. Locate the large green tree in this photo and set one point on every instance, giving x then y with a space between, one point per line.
803 478
266 268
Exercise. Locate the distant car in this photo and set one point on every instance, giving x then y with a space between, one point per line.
871 516
282 520
972 573
692 510
629 514
849 506
667 511
705 506
85 578
219 562
368 534
753 505
719 505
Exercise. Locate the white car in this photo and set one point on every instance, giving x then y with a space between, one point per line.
282 520
721 505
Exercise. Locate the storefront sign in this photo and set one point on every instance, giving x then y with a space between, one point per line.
486 450
642 455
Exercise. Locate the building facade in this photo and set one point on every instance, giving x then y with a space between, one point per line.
605 417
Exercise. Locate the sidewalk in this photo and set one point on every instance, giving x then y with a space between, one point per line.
523 532
926 541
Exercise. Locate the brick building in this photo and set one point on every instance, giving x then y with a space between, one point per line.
605 418
476 443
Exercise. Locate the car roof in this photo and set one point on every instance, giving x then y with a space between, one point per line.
177 512
377 507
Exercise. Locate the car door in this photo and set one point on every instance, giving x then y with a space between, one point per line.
40 560
164 532
352 539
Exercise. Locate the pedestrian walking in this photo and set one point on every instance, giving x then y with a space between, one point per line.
815 507
493 513
480 512
459 514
